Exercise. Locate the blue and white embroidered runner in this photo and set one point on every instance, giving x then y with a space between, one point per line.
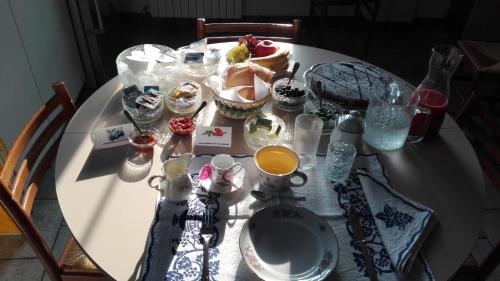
174 251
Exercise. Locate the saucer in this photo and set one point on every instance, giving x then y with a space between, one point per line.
205 180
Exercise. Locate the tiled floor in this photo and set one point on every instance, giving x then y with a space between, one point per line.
491 227
18 262
402 52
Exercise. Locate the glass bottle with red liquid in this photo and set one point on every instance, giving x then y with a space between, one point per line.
434 90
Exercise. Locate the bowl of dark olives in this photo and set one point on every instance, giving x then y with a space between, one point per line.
289 96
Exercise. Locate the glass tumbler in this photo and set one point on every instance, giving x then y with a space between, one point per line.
307 133
339 159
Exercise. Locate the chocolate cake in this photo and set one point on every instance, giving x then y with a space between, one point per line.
348 84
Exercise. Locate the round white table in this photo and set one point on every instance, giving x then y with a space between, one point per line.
109 207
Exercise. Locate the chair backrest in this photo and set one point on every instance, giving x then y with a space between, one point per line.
289 32
7 226
21 175
3 153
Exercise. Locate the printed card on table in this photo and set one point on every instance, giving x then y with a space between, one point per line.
213 136
112 136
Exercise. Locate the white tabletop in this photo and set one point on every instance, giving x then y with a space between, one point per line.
109 207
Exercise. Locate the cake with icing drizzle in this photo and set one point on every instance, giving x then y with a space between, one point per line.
348 84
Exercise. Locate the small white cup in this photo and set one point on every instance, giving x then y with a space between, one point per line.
224 168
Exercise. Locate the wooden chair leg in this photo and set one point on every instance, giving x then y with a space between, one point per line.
470 98
489 264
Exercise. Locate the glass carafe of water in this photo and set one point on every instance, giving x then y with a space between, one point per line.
389 116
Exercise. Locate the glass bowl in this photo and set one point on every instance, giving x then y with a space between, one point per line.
146 65
141 114
290 97
182 126
145 141
328 113
263 129
184 98
205 66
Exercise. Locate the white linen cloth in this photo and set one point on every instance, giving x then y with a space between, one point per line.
403 224
174 251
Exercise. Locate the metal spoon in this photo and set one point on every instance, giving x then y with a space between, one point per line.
202 105
296 66
129 117
319 86
262 196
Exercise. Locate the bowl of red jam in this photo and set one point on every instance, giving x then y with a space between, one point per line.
146 140
182 126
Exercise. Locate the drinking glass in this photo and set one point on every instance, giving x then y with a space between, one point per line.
307 133
339 159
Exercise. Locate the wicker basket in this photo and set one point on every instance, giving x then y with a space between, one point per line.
238 110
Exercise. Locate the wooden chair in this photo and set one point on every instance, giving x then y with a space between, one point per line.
7 226
259 30
481 272
3 153
369 17
18 198
482 60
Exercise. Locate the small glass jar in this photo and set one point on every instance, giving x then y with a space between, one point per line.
146 140
289 97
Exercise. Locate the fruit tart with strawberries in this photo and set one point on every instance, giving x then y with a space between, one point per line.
265 53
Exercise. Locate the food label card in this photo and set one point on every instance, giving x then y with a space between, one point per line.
213 136
112 136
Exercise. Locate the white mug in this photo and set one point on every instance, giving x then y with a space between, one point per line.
224 168
277 165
